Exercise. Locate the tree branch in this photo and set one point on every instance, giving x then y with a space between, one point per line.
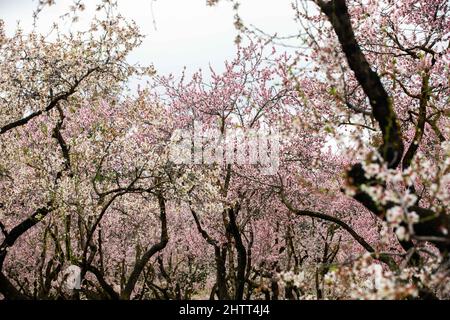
140 264
382 109
53 103
386 259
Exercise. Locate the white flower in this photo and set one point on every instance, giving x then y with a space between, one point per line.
401 233
397 177
298 279
27 112
132 131
409 179
390 195
372 170
426 164
434 187
295 279
330 277
395 215
413 217
409 200
376 192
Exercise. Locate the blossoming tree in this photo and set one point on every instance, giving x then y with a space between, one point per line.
319 173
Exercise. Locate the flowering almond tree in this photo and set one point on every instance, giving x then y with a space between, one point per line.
320 173
384 68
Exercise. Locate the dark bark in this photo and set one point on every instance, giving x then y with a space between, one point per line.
6 287
382 109
142 262
433 224
421 120
105 286
384 258
220 259
241 252
221 273
8 290
20 229
52 104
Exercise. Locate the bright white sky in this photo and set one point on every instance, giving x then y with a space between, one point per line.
188 32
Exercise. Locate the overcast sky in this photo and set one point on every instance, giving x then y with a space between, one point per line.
188 33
